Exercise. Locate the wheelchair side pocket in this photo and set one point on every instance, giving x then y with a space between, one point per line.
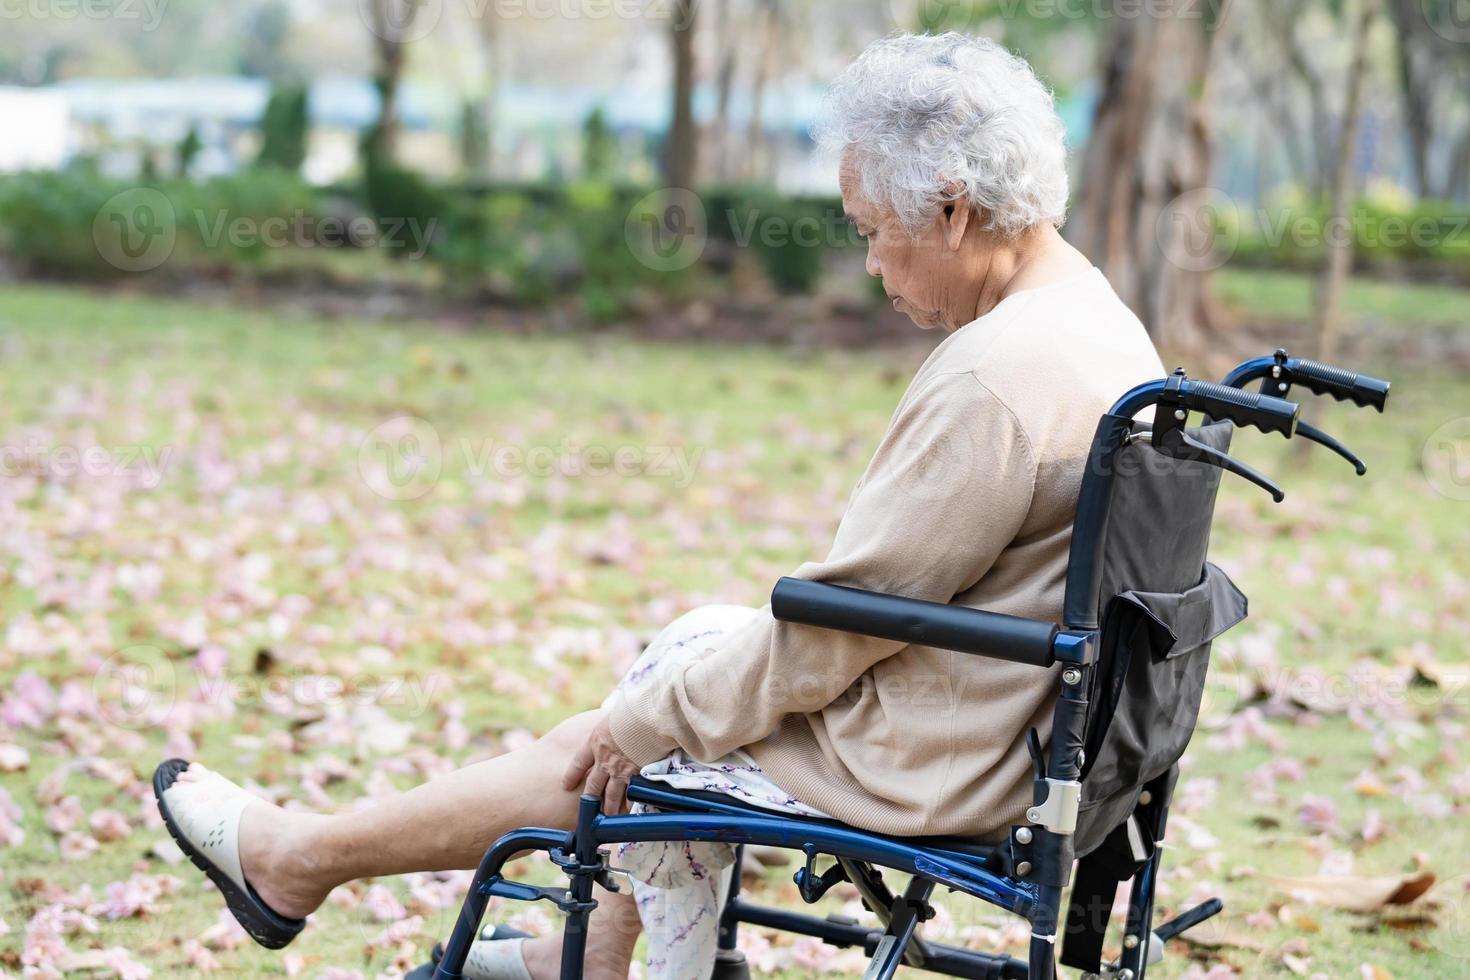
1156 652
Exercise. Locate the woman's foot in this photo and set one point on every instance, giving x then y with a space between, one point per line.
607 957
203 814
276 854
610 941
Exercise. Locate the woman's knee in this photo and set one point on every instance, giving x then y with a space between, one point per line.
709 620
570 734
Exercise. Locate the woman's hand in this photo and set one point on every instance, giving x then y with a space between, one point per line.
602 769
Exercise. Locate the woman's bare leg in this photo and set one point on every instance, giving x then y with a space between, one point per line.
294 859
610 940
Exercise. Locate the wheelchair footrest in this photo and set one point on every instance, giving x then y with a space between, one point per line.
1189 919
1169 930
518 892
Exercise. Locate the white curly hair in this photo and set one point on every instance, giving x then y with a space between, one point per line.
922 115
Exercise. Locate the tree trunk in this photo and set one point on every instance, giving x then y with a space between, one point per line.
730 43
1145 213
1339 241
682 144
1301 65
770 35
1416 88
1457 181
392 22
493 49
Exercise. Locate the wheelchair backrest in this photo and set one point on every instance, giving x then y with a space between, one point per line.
1139 572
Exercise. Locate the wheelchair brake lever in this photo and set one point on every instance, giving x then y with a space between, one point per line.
1307 431
1177 443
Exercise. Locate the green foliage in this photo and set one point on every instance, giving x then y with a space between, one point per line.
792 238
46 220
189 148
284 128
397 195
59 223
599 147
237 218
474 138
534 248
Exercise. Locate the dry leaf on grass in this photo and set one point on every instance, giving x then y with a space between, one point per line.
1217 934
1355 893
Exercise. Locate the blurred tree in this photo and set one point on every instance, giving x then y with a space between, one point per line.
477 121
391 25
1143 195
1342 232
729 39
599 147
284 129
681 146
1434 76
769 45
1285 19
263 41
474 139
189 148
1254 50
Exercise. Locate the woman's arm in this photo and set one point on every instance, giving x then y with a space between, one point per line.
946 492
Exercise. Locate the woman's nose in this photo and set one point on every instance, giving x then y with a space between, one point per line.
874 269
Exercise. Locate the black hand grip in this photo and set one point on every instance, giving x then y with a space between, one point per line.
1267 413
930 624
1324 379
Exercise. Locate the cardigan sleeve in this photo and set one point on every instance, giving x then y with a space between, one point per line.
947 490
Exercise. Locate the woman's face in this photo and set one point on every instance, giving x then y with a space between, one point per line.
920 275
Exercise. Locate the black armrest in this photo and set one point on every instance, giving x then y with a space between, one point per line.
932 624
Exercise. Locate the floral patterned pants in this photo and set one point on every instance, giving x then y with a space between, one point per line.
680 886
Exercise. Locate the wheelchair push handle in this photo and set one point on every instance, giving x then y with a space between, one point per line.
931 624
1265 412
1281 371
1362 390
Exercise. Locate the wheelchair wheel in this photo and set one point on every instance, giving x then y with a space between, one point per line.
730 964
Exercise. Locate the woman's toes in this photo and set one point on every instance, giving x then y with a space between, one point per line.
193 774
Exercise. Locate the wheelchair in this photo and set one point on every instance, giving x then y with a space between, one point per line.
1142 606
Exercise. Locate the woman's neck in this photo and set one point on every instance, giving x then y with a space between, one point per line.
1039 257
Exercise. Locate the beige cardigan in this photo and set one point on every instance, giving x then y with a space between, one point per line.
969 499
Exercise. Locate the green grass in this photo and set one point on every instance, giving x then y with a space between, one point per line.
519 597
1372 303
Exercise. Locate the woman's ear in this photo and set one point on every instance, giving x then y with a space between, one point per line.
955 218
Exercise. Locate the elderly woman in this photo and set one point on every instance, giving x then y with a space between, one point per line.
953 168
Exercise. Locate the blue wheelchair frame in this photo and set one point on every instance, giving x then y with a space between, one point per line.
1024 875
